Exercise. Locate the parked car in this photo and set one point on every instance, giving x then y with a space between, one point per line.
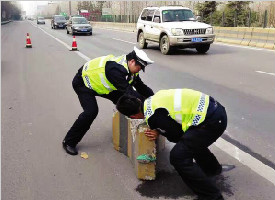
40 20
173 26
58 21
79 25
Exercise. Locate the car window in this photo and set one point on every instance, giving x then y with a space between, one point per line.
59 18
144 14
40 17
150 15
147 15
177 15
157 15
80 20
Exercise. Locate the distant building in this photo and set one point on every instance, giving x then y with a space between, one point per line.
23 14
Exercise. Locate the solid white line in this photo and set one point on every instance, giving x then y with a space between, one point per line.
66 45
124 41
261 72
257 166
83 56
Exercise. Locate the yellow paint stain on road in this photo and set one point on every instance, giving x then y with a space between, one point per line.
84 155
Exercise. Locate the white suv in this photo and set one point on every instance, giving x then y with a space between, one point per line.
173 26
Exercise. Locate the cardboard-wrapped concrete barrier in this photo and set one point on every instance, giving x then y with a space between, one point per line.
129 139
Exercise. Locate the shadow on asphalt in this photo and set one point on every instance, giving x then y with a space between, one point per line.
192 52
170 185
167 185
224 185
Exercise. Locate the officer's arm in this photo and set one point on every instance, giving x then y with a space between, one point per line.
143 89
171 129
116 74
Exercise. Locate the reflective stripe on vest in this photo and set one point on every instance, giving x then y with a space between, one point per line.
187 107
94 77
200 108
104 82
177 105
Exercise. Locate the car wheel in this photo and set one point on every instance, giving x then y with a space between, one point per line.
164 45
203 48
91 33
141 41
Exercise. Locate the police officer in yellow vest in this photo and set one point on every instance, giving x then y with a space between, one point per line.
193 121
109 77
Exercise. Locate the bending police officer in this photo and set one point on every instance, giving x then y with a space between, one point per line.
193 121
109 77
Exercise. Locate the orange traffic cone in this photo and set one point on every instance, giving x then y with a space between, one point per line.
74 45
28 41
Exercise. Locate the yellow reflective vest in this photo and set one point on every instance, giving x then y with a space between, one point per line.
188 107
93 73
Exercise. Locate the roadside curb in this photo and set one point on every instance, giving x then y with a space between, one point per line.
5 22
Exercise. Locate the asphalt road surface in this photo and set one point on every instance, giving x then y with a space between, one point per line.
39 106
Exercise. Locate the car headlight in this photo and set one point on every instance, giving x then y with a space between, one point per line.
177 31
209 30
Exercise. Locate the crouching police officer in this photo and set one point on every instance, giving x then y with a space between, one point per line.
109 77
193 121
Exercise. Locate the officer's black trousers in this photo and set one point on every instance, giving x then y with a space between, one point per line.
194 145
87 99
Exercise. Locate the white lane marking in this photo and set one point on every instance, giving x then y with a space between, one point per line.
66 45
124 41
246 159
244 47
118 30
261 72
60 41
83 56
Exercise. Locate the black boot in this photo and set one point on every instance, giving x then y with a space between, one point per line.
70 150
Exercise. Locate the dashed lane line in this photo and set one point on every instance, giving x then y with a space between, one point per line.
244 47
123 41
261 72
246 159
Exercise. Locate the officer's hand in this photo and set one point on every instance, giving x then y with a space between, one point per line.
151 134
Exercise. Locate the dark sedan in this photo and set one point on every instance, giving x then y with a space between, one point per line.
58 21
